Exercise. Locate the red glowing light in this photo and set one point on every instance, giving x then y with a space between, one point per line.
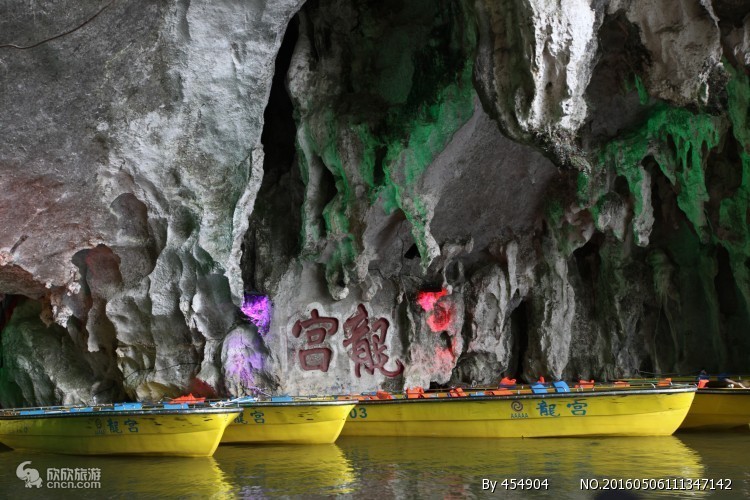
428 299
445 356
202 388
441 317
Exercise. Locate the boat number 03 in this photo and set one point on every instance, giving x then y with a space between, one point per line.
358 413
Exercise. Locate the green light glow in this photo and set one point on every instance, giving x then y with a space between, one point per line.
421 79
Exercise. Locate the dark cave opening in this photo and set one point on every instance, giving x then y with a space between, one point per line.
519 328
672 147
725 284
445 340
7 304
328 191
668 217
647 365
653 169
393 59
378 174
723 178
279 129
588 259
731 12
454 272
412 252
612 91
621 186
276 220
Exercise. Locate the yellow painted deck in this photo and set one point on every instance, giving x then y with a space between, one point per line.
619 412
192 433
717 409
292 423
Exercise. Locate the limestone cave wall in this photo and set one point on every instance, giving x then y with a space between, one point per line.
326 196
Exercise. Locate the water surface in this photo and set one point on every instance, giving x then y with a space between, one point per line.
405 468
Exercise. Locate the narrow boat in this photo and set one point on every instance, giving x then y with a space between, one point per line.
541 410
722 402
286 420
120 429
719 404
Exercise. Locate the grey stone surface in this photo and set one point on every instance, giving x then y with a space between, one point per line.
425 145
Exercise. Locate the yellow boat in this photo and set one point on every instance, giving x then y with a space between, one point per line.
719 408
722 402
534 412
287 420
121 429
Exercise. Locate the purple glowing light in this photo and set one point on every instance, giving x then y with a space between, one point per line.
241 360
258 310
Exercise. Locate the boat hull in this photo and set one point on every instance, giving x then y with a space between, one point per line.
719 409
616 413
292 423
177 433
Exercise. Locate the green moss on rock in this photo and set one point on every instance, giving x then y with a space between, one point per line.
679 142
417 79
694 325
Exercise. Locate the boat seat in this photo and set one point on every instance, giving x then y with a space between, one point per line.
498 392
539 388
585 384
240 400
128 406
561 386
282 399
175 406
456 392
415 393
383 395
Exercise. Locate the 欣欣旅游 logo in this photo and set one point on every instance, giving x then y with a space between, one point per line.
29 475
64 478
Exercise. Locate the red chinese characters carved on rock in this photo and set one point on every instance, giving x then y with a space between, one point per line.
315 356
367 341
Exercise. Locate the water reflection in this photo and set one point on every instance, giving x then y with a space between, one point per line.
428 467
257 471
121 477
725 456
404 467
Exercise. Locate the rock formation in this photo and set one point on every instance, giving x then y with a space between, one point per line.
333 196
